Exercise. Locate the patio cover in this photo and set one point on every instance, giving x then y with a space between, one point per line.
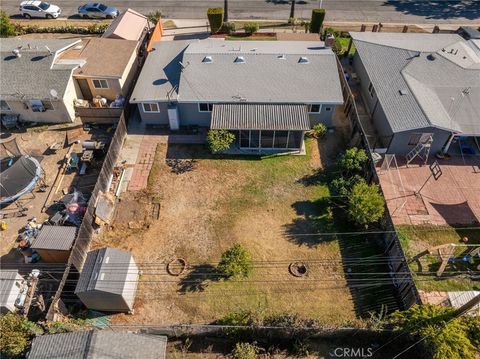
246 116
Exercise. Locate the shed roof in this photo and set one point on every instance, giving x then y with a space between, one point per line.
98 345
36 62
234 116
59 238
457 299
416 76
7 283
100 57
106 269
130 25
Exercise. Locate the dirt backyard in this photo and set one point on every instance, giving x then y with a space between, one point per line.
263 204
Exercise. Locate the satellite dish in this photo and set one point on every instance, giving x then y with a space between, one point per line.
54 93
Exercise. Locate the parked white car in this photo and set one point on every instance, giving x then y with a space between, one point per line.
36 8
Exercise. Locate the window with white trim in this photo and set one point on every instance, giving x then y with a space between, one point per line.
414 139
151 107
205 107
100 84
4 106
314 108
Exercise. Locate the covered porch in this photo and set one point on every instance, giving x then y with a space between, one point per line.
263 128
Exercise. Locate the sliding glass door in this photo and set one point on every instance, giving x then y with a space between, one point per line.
269 139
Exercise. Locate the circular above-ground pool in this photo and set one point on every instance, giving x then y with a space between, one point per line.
18 176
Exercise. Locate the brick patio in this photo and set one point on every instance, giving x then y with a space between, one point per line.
414 197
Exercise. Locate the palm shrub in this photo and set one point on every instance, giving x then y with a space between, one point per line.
235 262
219 140
251 27
318 131
215 18
154 16
318 15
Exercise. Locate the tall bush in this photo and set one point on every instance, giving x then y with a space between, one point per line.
6 26
16 333
366 204
215 18
228 27
235 262
318 15
251 27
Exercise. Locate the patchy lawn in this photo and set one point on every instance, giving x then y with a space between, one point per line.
416 239
260 203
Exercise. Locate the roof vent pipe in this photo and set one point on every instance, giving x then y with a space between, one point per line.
431 57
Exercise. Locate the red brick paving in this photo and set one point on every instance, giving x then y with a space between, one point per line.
453 199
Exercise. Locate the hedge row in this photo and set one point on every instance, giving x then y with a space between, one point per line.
318 15
70 29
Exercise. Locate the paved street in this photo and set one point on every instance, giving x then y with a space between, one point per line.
406 11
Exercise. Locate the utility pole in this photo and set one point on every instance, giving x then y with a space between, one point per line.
292 9
225 10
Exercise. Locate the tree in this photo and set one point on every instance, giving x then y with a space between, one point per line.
219 140
15 335
444 335
235 262
245 351
352 161
154 16
6 26
366 204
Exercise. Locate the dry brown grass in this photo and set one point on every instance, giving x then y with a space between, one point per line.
224 201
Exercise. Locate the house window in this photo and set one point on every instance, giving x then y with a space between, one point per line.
4 106
151 107
205 107
371 90
314 108
100 84
41 105
328 109
414 139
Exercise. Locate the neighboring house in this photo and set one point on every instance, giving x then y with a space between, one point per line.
421 88
11 284
42 78
106 67
54 243
98 345
129 25
32 85
267 92
108 281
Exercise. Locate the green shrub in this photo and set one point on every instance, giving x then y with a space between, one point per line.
215 18
318 131
219 140
318 15
154 16
6 26
245 351
251 27
342 186
228 27
366 204
235 262
352 161
15 335
244 318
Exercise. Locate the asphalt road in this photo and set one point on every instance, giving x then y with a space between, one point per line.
403 11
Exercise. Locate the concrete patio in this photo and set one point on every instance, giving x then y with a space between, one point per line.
414 196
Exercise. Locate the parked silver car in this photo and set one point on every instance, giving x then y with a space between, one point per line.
96 10
37 8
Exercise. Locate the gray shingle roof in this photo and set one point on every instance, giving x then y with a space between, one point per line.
234 116
270 72
265 76
433 69
160 73
35 63
55 237
107 269
98 345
